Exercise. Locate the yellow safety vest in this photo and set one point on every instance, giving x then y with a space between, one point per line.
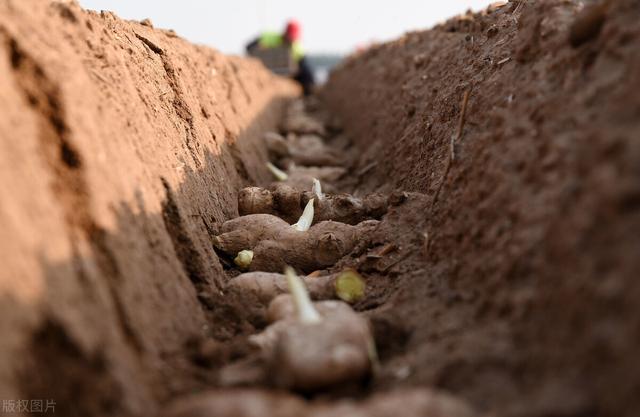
275 40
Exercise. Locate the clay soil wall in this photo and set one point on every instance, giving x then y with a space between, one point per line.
121 149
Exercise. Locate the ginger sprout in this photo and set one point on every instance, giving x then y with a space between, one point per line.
244 258
277 172
304 223
317 189
304 308
350 286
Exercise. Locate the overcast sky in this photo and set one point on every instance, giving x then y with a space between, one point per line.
328 25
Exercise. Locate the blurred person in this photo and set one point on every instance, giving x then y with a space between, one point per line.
290 40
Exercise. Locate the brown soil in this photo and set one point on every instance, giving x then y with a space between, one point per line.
521 284
122 149
509 274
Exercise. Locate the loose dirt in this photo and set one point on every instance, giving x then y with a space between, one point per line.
502 279
520 284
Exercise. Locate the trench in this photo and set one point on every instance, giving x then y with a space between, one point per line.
485 173
311 144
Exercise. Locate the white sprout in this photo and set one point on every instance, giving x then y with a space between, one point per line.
304 307
317 189
244 258
304 222
277 172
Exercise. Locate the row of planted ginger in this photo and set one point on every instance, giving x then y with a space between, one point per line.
294 228
308 346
